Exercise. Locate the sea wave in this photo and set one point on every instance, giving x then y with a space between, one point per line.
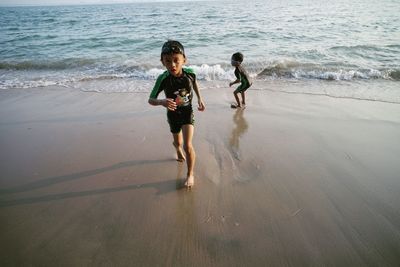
62 72
389 48
47 64
290 69
329 74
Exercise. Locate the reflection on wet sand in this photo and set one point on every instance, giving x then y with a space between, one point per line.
240 127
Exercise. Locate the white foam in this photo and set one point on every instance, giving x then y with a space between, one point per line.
212 73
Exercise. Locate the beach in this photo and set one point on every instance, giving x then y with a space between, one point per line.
294 179
306 175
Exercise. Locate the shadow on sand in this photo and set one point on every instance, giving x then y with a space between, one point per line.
162 187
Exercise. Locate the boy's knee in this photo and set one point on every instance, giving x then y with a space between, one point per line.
177 143
188 148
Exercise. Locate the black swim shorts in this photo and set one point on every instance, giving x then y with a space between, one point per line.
242 87
178 118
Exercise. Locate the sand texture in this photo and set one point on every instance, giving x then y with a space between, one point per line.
89 179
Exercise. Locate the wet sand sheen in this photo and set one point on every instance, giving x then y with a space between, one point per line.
298 180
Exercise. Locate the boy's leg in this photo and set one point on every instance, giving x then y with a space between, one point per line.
243 98
178 141
188 130
237 98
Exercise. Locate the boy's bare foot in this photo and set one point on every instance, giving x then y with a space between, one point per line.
235 106
189 182
179 153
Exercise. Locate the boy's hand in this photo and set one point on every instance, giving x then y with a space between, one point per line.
232 83
201 106
169 103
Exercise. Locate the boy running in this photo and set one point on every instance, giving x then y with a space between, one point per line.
178 84
241 77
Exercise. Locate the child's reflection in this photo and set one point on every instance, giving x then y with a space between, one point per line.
240 127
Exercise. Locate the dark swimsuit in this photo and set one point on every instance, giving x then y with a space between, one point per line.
181 90
244 79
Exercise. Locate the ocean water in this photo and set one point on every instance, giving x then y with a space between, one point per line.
116 48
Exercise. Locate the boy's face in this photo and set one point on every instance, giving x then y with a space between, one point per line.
235 63
174 63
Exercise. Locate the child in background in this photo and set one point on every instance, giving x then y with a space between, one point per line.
241 77
178 84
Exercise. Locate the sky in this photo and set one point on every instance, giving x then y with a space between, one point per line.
69 2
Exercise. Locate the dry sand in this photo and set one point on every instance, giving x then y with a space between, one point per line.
89 179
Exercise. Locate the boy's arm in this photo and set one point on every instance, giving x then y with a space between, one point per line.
169 103
238 77
201 106
232 83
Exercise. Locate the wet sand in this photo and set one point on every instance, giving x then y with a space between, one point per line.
91 179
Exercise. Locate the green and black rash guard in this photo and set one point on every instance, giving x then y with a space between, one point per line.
178 88
242 76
